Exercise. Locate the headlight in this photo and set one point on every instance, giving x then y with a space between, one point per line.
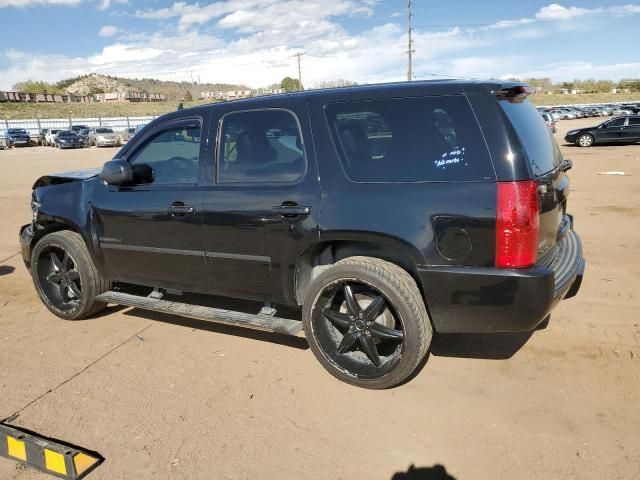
571 132
35 206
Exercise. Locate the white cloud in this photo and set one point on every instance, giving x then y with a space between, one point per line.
108 31
257 13
121 54
555 11
28 3
105 4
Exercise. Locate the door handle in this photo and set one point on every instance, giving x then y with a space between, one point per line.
179 209
291 210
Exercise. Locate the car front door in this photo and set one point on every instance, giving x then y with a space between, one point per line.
261 210
149 232
612 131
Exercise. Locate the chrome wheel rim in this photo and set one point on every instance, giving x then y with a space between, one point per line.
585 141
59 279
357 329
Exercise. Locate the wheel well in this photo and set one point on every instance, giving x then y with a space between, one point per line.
47 228
321 255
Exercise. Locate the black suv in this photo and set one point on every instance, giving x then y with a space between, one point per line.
384 212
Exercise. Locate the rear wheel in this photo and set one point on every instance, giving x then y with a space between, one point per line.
366 322
585 140
65 277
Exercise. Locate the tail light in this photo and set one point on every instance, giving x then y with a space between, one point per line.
517 224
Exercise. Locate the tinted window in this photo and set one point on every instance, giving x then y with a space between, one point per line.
172 155
104 130
541 148
260 146
634 121
409 140
616 122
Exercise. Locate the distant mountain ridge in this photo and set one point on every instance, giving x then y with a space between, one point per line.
96 83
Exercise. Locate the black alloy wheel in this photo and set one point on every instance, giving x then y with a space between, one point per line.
357 329
59 278
366 322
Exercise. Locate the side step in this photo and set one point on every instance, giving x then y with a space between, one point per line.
210 314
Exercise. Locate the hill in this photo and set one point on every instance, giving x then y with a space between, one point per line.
96 83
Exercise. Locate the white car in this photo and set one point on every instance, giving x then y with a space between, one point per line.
49 138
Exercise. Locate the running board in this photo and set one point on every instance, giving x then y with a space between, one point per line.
239 319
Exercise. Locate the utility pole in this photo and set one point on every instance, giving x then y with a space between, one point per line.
299 55
410 51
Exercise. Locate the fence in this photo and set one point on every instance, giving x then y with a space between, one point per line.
34 126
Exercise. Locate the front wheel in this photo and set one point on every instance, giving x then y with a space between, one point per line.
65 276
585 140
366 322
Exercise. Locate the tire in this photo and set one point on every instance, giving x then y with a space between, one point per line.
68 287
378 347
584 140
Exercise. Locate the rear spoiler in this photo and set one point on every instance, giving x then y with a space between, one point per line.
513 93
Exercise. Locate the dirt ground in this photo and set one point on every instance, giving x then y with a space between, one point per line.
163 397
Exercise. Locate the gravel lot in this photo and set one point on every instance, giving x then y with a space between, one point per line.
164 397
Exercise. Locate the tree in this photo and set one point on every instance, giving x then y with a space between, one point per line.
34 86
187 96
289 84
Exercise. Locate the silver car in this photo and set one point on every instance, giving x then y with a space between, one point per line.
104 137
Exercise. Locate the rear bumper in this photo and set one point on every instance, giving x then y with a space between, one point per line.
486 300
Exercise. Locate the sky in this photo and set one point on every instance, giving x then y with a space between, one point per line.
253 42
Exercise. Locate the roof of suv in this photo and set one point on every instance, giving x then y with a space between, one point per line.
439 87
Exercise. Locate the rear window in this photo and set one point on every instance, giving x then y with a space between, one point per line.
540 147
409 140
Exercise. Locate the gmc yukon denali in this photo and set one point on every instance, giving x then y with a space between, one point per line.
384 212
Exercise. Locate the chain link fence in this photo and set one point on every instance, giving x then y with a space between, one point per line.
35 126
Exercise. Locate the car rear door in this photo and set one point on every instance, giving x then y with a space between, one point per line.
261 208
633 129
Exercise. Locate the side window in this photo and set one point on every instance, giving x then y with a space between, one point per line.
169 157
260 146
634 120
616 122
409 140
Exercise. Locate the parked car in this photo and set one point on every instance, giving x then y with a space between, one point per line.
563 114
104 137
51 136
551 123
42 135
127 133
18 137
68 139
448 216
3 141
616 130
621 111
84 135
77 128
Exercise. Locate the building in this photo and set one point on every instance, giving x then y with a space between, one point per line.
127 97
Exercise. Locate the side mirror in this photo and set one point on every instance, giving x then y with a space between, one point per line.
116 172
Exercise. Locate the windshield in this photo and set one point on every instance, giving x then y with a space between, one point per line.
67 134
104 130
84 131
17 130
